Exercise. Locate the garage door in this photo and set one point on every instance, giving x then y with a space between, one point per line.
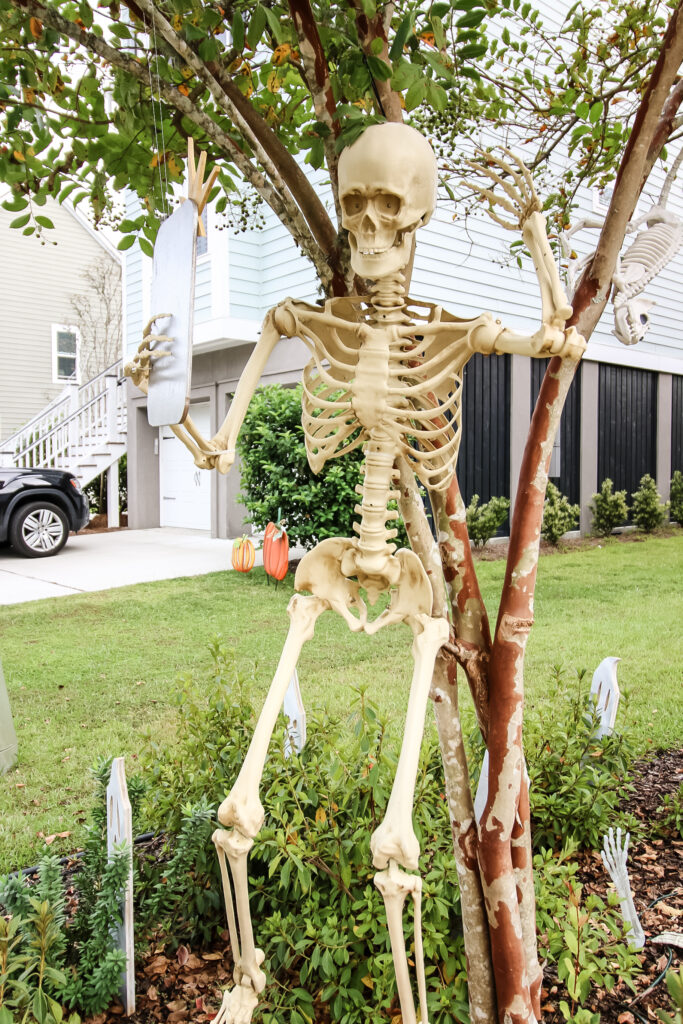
185 490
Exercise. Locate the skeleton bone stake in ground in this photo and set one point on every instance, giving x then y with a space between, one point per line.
385 373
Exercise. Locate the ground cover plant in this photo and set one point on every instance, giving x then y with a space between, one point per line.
88 675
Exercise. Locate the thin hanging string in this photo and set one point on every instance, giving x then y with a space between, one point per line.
161 117
158 134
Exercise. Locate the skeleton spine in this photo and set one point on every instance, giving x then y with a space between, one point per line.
376 491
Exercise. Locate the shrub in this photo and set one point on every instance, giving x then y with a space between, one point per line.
65 963
676 498
276 474
577 783
674 983
484 521
559 515
317 914
586 940
96 490
648 510
671 813
609 509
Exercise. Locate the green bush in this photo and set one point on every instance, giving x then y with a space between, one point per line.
317 914
577 782
58 963
559 515
586 940
609 509
648 510
276 474
484 521
96 490
676 498
674 983
671 813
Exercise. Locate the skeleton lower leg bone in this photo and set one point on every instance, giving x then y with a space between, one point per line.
395 842
242 809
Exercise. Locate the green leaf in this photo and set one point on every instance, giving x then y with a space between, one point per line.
44 222
369 8
20 222
39 1007
402 32
582 110
596 112
146 246
274 25
257 24
378 69
126 243
15 205
238 31
472 51
416 94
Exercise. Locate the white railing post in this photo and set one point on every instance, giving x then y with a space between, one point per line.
73 439
113 495
112 425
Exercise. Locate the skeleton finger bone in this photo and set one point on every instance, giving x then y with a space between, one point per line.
514 194
394 886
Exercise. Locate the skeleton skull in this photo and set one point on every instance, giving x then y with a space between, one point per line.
387 189
631 319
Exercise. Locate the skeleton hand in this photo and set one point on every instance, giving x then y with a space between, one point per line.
521 201
139 367
614 855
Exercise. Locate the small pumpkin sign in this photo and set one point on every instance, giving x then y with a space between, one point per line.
243 555
276 550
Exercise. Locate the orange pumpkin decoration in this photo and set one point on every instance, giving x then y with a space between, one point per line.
276 550
243 555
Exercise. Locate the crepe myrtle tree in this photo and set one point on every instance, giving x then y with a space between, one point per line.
92 101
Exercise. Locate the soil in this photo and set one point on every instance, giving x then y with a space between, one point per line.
496 549
185 985
98 524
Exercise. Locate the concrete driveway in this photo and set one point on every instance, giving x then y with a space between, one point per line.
100 561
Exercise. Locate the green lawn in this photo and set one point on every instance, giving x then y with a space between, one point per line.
88 674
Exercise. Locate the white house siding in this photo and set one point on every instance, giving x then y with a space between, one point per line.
36 285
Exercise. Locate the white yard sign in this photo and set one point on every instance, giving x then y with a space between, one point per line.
120 830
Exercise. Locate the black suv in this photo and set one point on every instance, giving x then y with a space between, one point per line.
38 508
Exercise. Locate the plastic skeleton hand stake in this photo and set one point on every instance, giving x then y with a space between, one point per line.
139 367
614 855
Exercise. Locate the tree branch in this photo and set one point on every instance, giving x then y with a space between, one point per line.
370 29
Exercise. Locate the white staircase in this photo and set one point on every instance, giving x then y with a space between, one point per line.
83 431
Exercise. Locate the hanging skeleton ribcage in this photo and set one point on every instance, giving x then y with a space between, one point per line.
385 382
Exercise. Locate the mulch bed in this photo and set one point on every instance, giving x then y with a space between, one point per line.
186 985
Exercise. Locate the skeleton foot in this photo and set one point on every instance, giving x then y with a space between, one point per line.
395 885
238 1005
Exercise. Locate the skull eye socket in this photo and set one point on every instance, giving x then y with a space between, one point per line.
353 204
388 204
644 318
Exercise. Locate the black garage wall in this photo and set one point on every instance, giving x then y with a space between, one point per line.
484 459
677 424
627 426
570 430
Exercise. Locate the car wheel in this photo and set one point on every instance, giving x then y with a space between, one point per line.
39 529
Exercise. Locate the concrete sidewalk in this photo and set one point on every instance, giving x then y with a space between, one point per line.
100 561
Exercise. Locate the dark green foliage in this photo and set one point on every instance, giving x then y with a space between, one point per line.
648 510
674 983
96 490
80 967
559 515
317 914
577 782
585 939
276 474
671 813
484 521
609 509
676 498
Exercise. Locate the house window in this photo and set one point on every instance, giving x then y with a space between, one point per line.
64 353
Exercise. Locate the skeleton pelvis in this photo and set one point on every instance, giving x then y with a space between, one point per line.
335 572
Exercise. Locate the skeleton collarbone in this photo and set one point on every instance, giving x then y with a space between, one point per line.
394 382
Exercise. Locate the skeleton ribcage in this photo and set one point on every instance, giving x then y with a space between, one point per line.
417 404
652 249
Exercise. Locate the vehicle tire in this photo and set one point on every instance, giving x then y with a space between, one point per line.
38 529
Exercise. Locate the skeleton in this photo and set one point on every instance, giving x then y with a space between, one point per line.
651 250
386 373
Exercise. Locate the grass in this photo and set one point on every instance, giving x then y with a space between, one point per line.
89 675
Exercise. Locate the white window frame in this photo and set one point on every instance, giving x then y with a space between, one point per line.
72 329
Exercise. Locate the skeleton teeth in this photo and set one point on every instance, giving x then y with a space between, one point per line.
372 252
